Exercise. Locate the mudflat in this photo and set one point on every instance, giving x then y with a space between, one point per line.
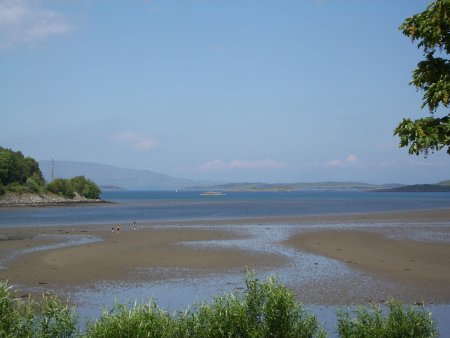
402 254
405 261
129 255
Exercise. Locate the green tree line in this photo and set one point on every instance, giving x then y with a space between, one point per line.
22 174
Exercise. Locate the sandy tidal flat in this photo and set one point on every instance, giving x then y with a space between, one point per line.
130 255
415 264
352 258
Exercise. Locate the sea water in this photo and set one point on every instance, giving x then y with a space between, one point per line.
144 206
178 293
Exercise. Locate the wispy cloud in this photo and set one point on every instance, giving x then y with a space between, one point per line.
27 22
216 165
351 159
138 142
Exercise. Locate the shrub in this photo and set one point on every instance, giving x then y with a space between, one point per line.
32 185
265 309
61 187
85 187
47 318
18 188
400 321
142 320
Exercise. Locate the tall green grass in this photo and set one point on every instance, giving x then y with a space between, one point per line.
397 321
263 309
47 317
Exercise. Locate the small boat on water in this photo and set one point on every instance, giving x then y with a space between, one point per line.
212 193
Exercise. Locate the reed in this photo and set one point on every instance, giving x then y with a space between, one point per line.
264 309
395 320
48 317
142 320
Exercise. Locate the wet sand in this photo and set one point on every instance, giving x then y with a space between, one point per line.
413 266
396 261
130 255
402 261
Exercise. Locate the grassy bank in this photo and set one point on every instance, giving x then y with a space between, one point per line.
263 309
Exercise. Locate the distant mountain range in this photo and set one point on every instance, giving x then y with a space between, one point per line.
110 177
301 186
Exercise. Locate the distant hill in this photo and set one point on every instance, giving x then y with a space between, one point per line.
114 178
110 176
420 188
300 186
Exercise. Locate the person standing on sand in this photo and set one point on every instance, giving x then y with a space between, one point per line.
134 225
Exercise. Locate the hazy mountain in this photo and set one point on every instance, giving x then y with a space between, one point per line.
420 188
106 175
258 186
111 177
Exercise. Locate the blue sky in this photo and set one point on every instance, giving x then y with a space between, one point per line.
275 91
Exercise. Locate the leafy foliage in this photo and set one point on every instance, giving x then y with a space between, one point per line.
401 321
47 318
21 174
142 320
431 29
85 187
77 185
265 309
62 187
15 168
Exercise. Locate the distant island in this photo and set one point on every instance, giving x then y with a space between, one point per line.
439 187
111 178
258 186
23 183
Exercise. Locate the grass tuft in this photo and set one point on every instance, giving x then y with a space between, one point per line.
397 320
264 309
47 318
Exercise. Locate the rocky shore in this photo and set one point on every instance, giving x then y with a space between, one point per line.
42 200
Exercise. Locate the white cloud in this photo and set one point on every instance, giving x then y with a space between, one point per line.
216 165
213 165
139 142
351 159
27 22
335 163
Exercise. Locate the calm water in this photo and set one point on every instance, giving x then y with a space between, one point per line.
189 205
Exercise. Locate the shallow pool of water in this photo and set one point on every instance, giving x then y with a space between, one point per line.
182 288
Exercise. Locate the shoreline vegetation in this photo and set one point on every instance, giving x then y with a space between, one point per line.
16 200
22 184
264 309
